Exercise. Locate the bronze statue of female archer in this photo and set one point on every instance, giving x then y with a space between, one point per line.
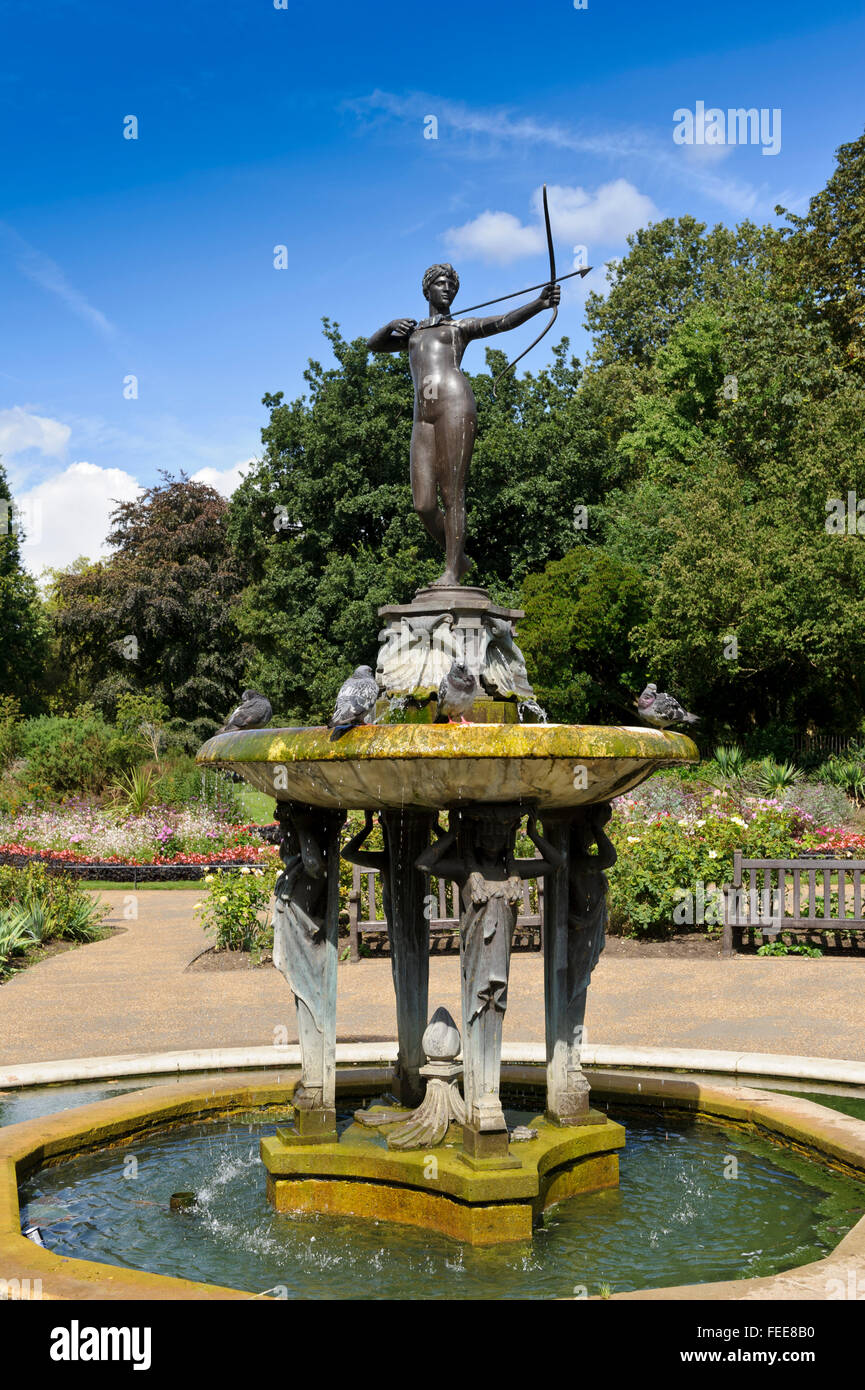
445 413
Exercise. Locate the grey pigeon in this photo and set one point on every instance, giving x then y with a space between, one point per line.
457 693
254 712
660 709
354 703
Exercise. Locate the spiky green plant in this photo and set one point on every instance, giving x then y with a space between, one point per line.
848 773
729 759
135 789
770 777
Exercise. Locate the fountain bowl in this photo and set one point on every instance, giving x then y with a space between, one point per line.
437 766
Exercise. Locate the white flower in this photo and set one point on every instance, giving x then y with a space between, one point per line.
737 820
633 839
700 823
713 854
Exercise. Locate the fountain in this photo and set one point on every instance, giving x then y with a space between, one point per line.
442 1159
432 1149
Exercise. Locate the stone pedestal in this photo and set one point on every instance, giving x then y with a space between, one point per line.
421 640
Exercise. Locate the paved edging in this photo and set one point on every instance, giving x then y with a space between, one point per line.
735 1064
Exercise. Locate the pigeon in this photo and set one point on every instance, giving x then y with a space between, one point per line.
457 693
658 708
254 712
354 703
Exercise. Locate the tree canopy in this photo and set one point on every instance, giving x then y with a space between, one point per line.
157 615
23 626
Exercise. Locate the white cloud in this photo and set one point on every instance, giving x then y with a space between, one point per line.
224 480
479 132
577 217
608 215
68 515
20 431
495 236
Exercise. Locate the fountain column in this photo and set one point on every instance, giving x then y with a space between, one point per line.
575 916
305 950
407 834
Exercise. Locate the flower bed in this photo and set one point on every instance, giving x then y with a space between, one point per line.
81 834
673 863
842 844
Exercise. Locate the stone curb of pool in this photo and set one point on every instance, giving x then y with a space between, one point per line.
130 1064
811 1129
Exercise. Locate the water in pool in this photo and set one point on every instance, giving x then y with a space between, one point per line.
696 1203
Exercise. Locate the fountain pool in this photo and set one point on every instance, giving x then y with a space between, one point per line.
678 1216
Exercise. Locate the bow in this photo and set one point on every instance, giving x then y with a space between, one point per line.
552 251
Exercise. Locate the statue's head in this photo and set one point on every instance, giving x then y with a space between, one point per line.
490 828
440 285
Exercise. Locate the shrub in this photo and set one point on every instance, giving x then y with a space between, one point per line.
232 911
729 760
663 794
781 948
183 782
771 777
664 859
135 790
827 805
67 754
36 907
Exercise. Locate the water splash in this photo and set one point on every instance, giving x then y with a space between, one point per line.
539 714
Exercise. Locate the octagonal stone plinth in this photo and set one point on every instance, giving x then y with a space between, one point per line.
438 1190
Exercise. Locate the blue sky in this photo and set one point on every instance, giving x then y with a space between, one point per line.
304 127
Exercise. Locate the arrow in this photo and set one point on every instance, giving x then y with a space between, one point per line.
458 313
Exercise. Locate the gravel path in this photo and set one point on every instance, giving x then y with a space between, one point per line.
132 993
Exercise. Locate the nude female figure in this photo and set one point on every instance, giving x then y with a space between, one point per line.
445 413
478 854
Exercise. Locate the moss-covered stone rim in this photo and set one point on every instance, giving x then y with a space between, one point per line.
832 1137
372 742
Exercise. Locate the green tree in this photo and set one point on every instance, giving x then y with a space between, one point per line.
672 266
825 254
23 626
580 612
157 617
745 553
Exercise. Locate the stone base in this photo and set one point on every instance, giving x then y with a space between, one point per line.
310 1126
445 623
487 1148
440 1191
420 709
572 1105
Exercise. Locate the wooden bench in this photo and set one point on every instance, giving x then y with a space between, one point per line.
775 899
444 926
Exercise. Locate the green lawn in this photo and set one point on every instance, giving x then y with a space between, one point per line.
257 806
100 885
